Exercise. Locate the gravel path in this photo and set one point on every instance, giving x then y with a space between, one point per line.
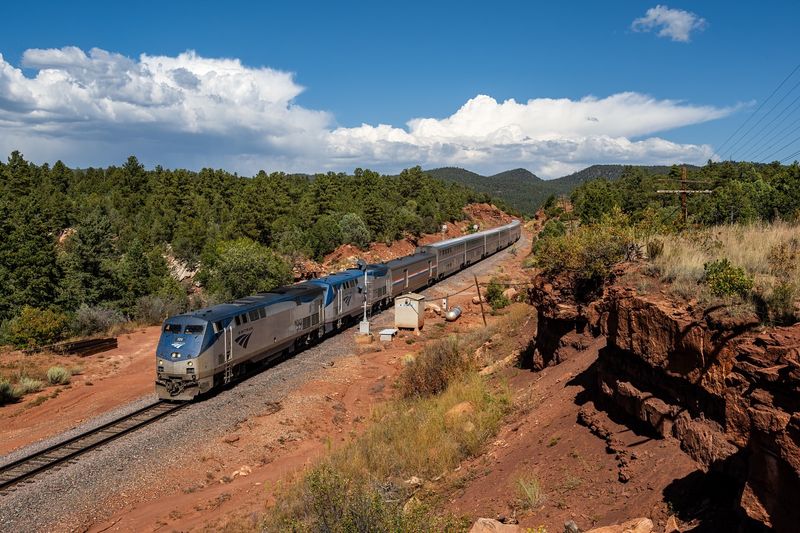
98 483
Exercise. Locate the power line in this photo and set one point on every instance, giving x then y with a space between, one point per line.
744 136
770 142
768 124
779 150
759 108
787 158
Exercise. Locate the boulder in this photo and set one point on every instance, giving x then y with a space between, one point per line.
637 525
489 525
672 525
511 293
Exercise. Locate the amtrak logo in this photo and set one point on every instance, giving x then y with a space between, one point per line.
347 299
178 345
243 339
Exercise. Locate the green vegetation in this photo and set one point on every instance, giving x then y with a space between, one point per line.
530 492
35 327
7 393
739 246
523 191
431 427
94 245
58 375
724 279
495 296
27 385
742 193
588 252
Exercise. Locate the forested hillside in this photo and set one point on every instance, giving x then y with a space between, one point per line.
524 191
84 248
742 193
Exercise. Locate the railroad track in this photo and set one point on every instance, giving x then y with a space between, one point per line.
24 469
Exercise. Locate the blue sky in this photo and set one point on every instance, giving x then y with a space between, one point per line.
377 63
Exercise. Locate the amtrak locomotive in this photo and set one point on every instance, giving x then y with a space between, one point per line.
208 348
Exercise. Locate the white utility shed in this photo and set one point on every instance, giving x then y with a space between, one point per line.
409 311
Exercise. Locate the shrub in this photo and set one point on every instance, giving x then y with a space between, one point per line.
437 364
780 303
495 296
354 230
334 502
589 252
89 320
28 385
7 392
154 309
725 279
58 375
655 247
530 491
552 228
36 327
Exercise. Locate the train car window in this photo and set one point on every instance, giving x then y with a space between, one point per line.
217 327
172 328
194 329
254 315
236 319
262 312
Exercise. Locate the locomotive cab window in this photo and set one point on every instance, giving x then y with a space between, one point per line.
253 315
172 328
194 329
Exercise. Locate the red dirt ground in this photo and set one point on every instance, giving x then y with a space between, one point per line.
273 447
108 380
578 479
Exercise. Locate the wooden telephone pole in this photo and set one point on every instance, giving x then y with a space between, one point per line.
684 192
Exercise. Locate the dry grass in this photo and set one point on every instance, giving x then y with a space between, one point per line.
530 492
749 247
416 437
422 435
767 252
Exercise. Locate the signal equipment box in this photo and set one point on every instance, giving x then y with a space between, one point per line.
409 311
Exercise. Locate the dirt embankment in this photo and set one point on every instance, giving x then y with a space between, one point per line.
723 387
484 216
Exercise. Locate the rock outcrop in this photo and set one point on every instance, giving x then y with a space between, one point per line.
727 388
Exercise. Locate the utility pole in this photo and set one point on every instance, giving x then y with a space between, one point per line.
363 327
684 192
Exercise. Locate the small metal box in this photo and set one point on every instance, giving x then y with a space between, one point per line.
409 311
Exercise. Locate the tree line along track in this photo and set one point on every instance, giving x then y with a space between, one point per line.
26 468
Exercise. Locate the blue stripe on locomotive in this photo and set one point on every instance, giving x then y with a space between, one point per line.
187 346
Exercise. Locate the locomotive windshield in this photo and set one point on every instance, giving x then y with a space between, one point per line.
172 328
193 329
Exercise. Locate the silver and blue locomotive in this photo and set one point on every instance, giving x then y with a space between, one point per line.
208 348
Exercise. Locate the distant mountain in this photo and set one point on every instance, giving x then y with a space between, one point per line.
519 188
525 191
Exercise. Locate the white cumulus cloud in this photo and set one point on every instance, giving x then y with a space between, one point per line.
98 107
676 24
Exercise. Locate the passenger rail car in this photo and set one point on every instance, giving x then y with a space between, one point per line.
206 349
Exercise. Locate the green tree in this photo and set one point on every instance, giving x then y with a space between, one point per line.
244 267
354 231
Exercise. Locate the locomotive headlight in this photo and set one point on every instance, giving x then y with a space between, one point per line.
189 364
